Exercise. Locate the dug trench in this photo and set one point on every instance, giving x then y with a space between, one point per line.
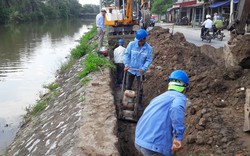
215 110
81 119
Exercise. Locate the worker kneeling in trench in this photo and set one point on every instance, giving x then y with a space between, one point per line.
161 127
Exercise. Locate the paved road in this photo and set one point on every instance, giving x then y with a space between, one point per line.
192 35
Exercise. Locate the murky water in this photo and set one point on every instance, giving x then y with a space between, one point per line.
30 54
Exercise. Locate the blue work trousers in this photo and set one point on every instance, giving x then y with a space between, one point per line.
146 152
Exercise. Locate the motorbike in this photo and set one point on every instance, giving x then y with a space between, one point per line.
207 36
152 22
219 34
182 21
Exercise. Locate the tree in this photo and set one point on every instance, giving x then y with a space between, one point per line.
160 6
90 8
31 10
107 2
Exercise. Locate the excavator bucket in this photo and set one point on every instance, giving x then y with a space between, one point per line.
247 112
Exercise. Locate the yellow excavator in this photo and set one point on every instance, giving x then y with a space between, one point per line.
125 17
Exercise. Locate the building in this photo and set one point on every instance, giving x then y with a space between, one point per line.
192 12
184 12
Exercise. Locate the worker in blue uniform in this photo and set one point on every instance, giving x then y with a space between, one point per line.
161 127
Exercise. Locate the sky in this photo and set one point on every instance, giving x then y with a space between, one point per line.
96 2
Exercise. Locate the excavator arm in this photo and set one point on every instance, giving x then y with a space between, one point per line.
239 22
128 13
123 19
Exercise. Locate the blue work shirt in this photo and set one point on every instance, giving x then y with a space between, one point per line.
138 58
162 120
100 21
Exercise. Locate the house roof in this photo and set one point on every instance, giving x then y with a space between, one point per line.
221 3
184 4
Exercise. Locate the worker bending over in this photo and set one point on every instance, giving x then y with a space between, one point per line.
161 127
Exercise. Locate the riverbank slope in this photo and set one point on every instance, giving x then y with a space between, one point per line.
79 119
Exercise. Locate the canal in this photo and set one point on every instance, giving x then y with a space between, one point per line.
30 54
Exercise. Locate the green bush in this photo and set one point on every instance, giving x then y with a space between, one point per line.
80 50
4 14
84 46
41 105
16 17
52 86
93 62
35 16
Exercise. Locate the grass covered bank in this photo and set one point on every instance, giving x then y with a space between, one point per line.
79 117
92 62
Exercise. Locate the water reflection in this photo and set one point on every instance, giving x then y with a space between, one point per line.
30 54
17 42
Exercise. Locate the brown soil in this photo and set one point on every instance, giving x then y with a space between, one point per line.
215 112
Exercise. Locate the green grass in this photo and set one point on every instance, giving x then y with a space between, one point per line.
83 48
93 62
85 80
34 110
66 66
40 105
75 54
53 86
82 98
80 50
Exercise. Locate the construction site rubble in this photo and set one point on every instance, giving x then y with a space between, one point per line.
215 112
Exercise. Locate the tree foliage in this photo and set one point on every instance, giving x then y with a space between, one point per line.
107 2
160 6
90 8
29 10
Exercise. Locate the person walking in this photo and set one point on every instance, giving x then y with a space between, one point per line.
215 17
118 59
137 59
100 27
206 25
160 129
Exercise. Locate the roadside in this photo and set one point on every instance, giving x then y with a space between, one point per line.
192 35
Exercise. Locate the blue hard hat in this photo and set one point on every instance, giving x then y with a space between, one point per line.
179 75
120 41
141 34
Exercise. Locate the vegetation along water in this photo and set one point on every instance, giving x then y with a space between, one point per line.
32 48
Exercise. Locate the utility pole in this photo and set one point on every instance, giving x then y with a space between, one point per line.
203 12
100 4
231 18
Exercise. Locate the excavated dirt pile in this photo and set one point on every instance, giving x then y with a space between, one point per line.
215 112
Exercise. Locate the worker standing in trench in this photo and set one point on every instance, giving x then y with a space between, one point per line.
118 59
138 55
161 127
